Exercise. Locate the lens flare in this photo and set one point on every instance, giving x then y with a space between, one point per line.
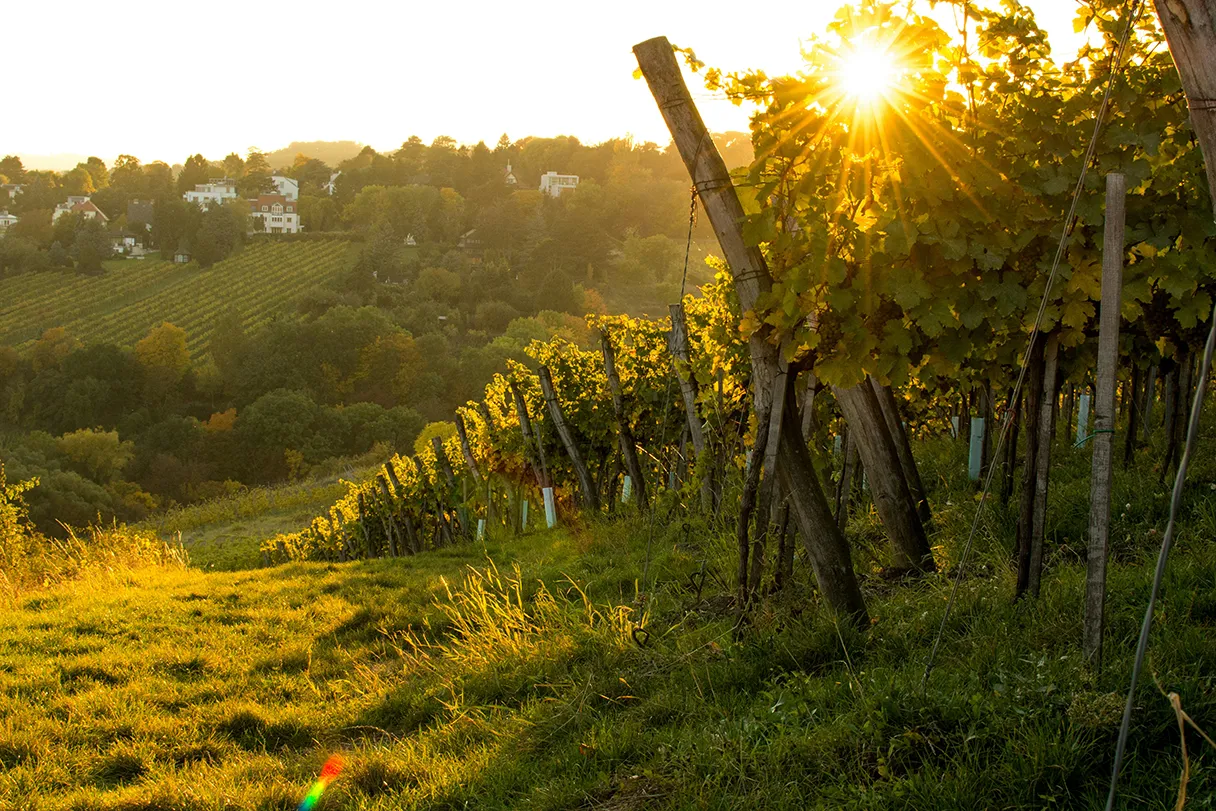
329 772
867 73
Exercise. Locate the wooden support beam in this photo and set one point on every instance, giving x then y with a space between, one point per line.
591 498
1104 419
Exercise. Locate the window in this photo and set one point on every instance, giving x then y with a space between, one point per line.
265 208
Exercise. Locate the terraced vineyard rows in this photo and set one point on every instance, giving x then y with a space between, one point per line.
132 297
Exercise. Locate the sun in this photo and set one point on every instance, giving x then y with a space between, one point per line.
867 73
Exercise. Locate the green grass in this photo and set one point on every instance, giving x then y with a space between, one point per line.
172 688
227 533
133 296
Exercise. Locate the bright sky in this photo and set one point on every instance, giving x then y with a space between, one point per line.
163 79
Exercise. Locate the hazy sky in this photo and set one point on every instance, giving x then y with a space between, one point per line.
162 79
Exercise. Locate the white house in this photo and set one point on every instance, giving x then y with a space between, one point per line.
7 220
278 214
553 184
289 187
78 204
212 192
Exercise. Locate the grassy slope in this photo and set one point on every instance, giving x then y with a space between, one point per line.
133 296
227 533
175 689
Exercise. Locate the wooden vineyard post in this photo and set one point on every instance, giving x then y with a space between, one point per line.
892 498
1042 466
465 449
629 446
681 359
445 466
537 461
591 498
768 484
1030 416
826 546
389 523
895 425
1104 420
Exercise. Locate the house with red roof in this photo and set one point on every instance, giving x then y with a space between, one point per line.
83 206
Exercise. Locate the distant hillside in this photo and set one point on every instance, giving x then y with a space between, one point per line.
120 307
330 152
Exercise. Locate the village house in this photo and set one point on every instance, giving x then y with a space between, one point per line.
553 184
7 220
289 187
213 192
79 204
278 214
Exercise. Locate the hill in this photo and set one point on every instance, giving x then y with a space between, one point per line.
262 281
513 675
330 152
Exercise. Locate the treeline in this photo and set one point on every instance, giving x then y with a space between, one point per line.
114 432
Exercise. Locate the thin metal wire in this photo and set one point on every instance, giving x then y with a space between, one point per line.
692 216
1167 542
1011 407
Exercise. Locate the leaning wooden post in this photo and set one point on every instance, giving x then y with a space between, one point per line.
591 498
1042 462
825 545
892 498
688 388
1104 421
539 468
629 446
890 412
445 467
465 449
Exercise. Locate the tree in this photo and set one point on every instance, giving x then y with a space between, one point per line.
79 181
99 455
50 350
319 214
256 179
196 170
92 247
234 166
98 171
12 168
221 231
165 358
128 175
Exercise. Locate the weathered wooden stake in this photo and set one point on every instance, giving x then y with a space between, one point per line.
829 556
628 444
591 498
1104 421
681 359
1042 467
892 497
465 449
899 435
535 459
